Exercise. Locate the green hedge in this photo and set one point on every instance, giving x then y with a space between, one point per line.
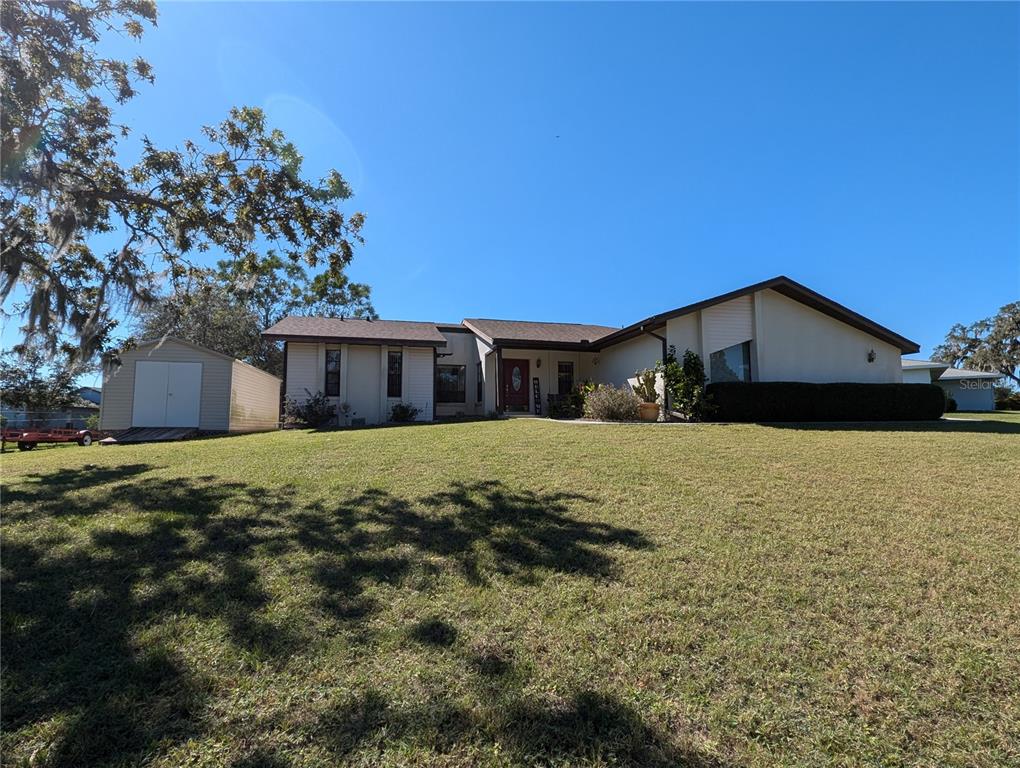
799 401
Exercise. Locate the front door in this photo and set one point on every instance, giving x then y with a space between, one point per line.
515 385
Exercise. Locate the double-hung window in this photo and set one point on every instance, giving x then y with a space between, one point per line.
332 385
394 373
565 377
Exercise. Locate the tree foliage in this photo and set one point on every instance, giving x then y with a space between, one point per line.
684 382
35 380
84 235
992 344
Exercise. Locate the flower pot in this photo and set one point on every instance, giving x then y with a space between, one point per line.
648 411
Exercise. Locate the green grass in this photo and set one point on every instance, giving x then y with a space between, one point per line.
518 593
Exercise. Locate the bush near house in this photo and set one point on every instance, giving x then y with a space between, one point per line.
799 401
607 403
403 412
316 411
1007 399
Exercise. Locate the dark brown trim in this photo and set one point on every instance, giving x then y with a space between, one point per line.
453 329
283 387
783 285
499 380
355 340
554 346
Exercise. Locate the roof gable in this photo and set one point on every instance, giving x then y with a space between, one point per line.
785 286
505 332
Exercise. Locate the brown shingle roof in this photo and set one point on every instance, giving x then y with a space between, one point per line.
356 331
522 331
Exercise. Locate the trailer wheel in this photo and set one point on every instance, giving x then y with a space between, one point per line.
85 440
23 446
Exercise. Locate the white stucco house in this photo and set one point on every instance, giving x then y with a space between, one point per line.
972 390
776 330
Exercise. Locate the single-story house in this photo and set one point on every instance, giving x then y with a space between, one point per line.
776 330
972 390
73 416
173 383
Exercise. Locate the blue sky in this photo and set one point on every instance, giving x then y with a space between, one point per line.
603 162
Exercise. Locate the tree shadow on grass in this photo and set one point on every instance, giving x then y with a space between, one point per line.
79 601
980 426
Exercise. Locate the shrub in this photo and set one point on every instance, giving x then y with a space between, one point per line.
316 411
1007 399
645 388
92 422
950 404
607 403
570 405
799 401
404 412
685 385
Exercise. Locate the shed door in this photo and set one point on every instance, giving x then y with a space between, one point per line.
166 394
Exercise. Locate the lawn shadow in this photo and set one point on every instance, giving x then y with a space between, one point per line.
942 425
195 549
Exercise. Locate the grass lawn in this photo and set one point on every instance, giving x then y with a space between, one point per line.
518 593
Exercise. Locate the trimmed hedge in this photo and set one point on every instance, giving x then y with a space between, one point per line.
799 401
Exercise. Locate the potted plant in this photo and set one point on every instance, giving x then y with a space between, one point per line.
648 410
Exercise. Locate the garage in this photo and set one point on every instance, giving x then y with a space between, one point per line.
172 383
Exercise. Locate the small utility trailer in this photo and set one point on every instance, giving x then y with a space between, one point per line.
28 438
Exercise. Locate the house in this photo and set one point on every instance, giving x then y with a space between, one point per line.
776 330
91 394
972 390
76 415
173 383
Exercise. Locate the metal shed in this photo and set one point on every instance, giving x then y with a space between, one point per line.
173 383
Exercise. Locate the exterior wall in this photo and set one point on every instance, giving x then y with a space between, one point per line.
797 343
365 391
302 370
119 384
618 364
917 376
684 333
488 357
461 349
971 394
254 399
420 379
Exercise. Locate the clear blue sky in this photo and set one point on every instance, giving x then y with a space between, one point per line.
603 162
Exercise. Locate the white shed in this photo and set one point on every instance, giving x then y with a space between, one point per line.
173 383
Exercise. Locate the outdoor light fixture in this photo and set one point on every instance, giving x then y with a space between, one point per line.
538 362
871 356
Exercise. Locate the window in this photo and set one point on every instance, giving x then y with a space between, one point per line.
731 364
479 383
566 378
450 384
394 373
332 388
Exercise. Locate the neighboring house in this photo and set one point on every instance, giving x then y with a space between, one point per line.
91 394
74 416
776 330
972 390
173 383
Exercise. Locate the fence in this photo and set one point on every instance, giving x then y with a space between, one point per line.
75 418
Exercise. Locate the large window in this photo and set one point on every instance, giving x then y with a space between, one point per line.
394 373
731 364
332 388
451 384
479 383
565 376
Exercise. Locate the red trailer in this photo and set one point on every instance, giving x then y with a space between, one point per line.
29 437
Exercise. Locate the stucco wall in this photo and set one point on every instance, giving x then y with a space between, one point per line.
971 394
119 383
917 376
618 364
254 399
684 333
797 343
